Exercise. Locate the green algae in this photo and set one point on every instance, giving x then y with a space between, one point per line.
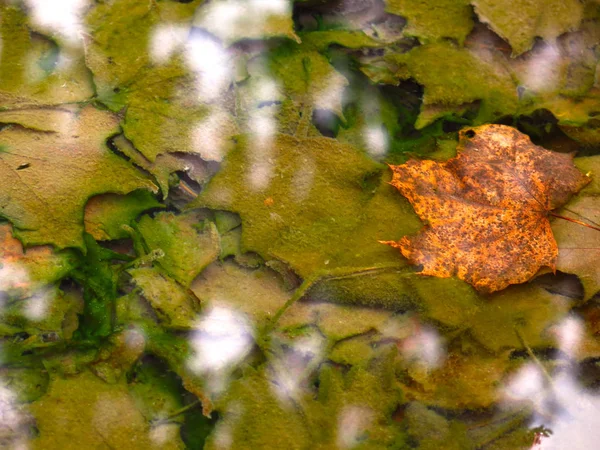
256 417
314 216
24 84
258 293
351 39
308 77
369 393
166 165
155 92
521 22
312 208
174 307
432 431
495 85
187 249
462 79
98 277
430 21
105 215
86 403
40 316
234 20
113 23
160 101
30 270
46 208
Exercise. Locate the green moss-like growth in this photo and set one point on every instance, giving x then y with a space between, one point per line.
432 431
46 207
520 22
157 395
527 309
31 73
462 78
24 272
258 293
309 202
351 39
174 307
161 101
106 214
154 87
432 20
236 20
308 78
257 418
356 408
74 406
187 250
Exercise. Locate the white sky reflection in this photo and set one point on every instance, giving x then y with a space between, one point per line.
166 40
223 337
226 17
352 424
376 140
541 73
211 62
36 307
207 137
12 276
13 419
424 346
292 366
262 127
561 405
60 16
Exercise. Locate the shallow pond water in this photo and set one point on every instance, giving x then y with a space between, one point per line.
193 199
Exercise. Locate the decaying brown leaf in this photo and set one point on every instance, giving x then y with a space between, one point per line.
486 211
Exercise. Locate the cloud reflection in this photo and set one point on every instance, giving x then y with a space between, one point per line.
63 17
262 127
561 404
223 338
166 40
353 424
227 17
211 62
294 363
424 346
13 420
376 140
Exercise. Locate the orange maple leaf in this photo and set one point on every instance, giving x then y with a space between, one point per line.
486 210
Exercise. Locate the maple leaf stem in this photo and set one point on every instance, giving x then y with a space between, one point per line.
579 222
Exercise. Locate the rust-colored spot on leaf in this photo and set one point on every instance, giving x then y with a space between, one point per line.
486 211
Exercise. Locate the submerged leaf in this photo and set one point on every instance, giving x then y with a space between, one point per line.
487 209
23 272
174 306
169 80
520 22
433 20
25 78
187 249
106 214
325 197
47 178
86 412
236 20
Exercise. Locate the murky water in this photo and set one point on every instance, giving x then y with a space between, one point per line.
193 196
